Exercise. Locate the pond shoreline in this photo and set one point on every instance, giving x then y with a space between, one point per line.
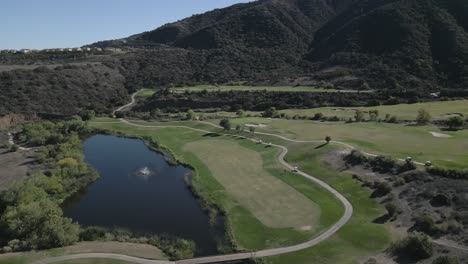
216 215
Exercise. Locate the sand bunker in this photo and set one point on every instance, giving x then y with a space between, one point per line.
256 125
440 135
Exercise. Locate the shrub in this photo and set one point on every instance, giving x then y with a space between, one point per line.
449 173
13 148
384 164
446 260
382 188
355 158
225 124
92 233
392 209
423 117
426 224
416 246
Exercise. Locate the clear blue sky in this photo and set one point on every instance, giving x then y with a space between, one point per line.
39 24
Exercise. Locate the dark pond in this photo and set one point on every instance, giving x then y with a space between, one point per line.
158 203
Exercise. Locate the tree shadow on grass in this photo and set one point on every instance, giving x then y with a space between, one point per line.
211 135
382 219
321 146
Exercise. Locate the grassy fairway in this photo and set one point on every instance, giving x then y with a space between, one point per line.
243 175
94 261
247 230
211 88
438 110
391 139
136 250
146 93
360 237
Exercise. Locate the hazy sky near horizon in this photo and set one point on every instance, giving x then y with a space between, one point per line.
32 24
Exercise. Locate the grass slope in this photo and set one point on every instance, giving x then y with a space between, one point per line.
242 173
438 110
249 232
131 249
391 139
360 237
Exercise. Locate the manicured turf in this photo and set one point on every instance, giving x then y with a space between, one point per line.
131 249
146 93
242 173
248 231
211 88
94 261
438 110
396 140
360 237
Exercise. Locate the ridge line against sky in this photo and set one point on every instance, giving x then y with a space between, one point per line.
31 24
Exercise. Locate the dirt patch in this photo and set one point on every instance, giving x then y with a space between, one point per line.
256 125
440 135
452 115
131 249
14 166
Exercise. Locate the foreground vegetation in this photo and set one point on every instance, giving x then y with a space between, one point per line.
31 214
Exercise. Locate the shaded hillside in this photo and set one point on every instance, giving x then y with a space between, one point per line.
388 44
407 48
403 43
63 90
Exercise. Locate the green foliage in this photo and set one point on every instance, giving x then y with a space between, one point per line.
426 224
270 112
415 246
356 157
13 148
88 115
392 209
359 116
31 214
446 260
449 173
455 122
328 139
190 114
423 117
225 124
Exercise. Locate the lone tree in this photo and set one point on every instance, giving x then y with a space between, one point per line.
226 124
373 115
455 122
328 139
238 128
359 116
252 130
423 117
190 114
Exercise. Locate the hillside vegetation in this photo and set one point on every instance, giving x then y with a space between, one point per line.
404 48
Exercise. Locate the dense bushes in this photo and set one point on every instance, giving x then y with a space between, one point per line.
416 246
63 90
175 248
449 173
382 164
31 214
252 100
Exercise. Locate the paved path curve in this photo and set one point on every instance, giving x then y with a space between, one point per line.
240 256
132 102
237 256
